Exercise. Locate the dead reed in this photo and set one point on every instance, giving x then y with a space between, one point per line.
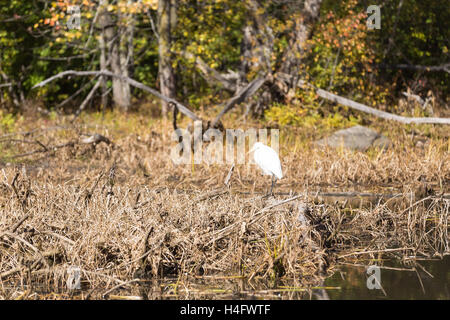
135 223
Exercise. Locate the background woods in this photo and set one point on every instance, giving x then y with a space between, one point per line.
91 90
205 52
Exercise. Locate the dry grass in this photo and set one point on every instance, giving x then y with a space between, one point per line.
124 211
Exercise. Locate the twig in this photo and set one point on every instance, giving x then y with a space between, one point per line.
68 59
119 286
86 100
18 224
36 250
104 275
227 230
230 172
212 194
381 267
420 280
19 238
424 270
89 193
74 95
145 249
373 251
61 237
71 144
210 74
18 269
416 203
444 67
27 133
13 185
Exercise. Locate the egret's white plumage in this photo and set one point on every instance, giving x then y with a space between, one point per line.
267 159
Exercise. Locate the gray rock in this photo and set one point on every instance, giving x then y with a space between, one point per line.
356 138
381 142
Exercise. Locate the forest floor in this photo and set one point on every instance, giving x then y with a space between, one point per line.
139 226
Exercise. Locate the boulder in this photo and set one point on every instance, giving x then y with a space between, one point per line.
356 138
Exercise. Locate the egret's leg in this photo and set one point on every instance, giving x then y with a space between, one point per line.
271 187
270 192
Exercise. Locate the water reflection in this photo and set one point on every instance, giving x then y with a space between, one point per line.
422 279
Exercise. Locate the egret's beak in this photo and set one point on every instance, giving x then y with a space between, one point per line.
253 149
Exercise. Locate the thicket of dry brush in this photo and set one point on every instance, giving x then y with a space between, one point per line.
125 214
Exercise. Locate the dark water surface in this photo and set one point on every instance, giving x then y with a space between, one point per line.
413 283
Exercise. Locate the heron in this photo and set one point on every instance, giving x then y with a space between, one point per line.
269 162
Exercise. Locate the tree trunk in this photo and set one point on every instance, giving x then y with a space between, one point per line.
167 17
301 33
103 66
117 57
291 60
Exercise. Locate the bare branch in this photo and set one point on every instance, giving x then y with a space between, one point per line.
68 59
243 94
88 98
362 107
444 67
132 82
74 95
381 114
228 81
96 138
53 148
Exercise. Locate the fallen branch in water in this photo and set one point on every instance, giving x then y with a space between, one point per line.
373 251
13 271
119 286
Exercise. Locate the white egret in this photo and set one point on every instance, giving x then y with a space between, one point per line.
267 159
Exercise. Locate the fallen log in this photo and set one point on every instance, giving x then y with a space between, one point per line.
362 107
381 114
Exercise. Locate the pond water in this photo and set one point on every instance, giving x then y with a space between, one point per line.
419 279
409 280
